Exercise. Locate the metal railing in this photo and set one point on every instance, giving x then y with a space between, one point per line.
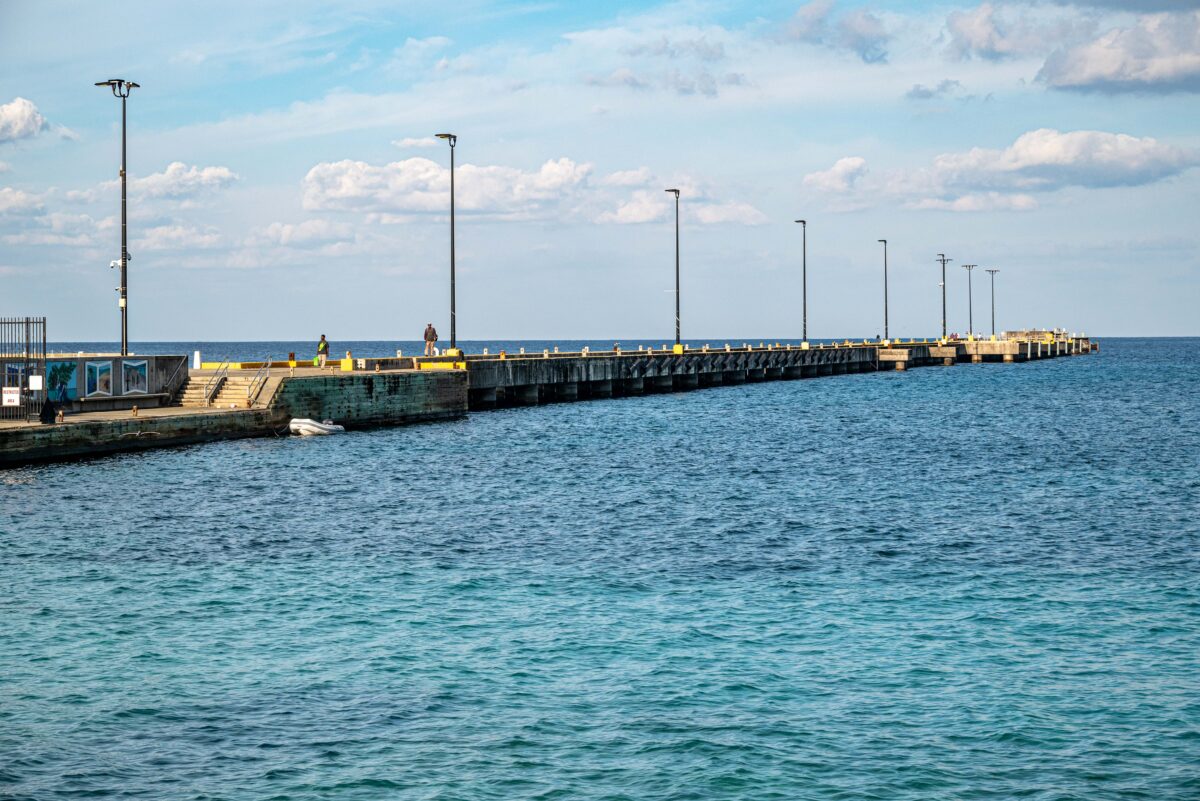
22 365
213 385
170 388
257 382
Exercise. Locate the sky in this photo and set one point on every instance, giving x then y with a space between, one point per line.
284 178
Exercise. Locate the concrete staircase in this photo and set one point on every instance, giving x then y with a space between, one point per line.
231 393
192 392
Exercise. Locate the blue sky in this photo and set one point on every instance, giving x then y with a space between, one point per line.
284 181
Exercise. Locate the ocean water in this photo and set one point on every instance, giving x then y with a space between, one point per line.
977 582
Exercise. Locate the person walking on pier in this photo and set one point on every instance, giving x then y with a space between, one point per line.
431 338
322 351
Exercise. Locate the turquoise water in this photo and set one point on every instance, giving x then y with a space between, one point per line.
976 582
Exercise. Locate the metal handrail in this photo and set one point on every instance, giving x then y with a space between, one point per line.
173 391
258 381
214 382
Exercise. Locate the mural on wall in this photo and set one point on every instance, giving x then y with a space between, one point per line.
61 385
134 377
99 378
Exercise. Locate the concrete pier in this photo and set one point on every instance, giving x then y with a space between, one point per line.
391 391
354 399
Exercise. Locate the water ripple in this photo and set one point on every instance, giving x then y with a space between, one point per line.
972 583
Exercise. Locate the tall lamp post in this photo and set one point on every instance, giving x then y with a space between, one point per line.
804 275
942 258
970 301
121 88
453 140
885 293
678 345
992 274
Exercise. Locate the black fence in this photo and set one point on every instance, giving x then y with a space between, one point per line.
23 359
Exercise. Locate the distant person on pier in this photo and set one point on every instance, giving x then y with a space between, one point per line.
322 351
430 339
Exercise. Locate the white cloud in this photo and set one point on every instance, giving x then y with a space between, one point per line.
305 234
699 48
421 185
655 205
1046 159
864 33
922 92
643 207
986 201
14 201
177 237
67 230
410 141
810 23
986 179
620 77
638 177
418 52
1160 52
177 182
4 167
996 34
734 212
841 177
859 31
20 119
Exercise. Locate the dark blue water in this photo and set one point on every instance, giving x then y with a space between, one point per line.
977 582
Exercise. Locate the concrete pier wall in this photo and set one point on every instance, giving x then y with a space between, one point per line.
442 389
352 399
374 398
36 443
525 379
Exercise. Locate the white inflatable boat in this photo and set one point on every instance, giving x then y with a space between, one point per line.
310 428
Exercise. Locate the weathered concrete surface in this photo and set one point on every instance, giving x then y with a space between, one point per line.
96 437
374 398
436 392
496 381
353 399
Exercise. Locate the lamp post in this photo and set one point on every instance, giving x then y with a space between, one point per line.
992 274
677 341
804 275
453 140
121 88
970 301
885 293
942 258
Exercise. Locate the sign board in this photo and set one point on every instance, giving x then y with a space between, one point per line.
35 383
11 396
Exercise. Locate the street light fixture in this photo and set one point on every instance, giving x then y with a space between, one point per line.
970 301
885 291
453 140
804 274
942 258
678 345
992 274
121 88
